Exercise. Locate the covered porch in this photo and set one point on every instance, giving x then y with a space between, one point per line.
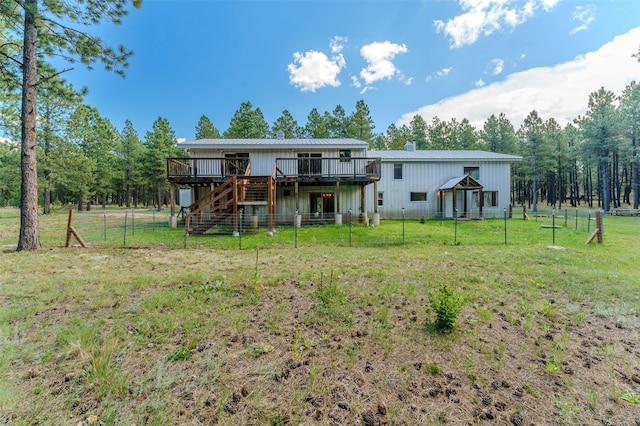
461 197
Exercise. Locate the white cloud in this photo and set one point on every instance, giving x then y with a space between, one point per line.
365 89
337 44
497 66
379 56
560 92
479 83
314 70
585 15
355 82
483 17
439 74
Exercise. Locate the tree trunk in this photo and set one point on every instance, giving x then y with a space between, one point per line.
159 196
29 238
635 179
605 186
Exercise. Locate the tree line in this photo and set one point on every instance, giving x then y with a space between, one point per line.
68 152
85 160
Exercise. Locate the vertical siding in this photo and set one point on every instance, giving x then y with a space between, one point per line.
428 177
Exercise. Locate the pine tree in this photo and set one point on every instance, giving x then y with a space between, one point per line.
206 130
47 30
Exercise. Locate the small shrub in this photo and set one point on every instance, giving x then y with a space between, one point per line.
446 305
180 355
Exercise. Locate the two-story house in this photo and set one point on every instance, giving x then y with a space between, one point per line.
273 181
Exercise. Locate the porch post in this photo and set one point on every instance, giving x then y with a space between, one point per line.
466 205
173 220
363 206
375 196
454 202
376 215
337 214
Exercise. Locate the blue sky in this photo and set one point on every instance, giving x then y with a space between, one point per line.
462 59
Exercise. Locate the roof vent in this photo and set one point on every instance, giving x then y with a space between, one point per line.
280 134
409 146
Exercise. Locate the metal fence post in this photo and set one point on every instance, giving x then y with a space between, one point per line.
403 225
455 227
126 216
553 225
505 227
240 228
350 228
295 227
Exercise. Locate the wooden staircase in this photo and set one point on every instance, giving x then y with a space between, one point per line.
218 210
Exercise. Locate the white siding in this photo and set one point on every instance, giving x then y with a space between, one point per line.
425 176
263 161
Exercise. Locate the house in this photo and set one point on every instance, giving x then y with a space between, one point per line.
277 181
270 180
428 183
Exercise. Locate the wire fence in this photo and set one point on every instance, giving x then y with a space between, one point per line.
145 227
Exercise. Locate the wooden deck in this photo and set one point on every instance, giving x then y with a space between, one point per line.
194 171
202 171
361 170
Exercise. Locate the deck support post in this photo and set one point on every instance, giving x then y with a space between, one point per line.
363 206
376 215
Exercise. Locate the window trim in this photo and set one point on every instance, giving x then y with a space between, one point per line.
493 198
345 155
467 170
398 167
418 194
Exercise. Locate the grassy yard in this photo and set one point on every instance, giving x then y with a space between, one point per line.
150 327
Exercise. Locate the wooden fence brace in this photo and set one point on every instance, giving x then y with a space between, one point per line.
598 231
72 231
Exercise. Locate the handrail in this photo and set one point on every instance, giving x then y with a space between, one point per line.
328 167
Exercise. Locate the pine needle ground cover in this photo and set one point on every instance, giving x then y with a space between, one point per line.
336 331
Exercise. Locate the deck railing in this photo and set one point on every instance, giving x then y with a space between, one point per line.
330 168
195 169
206 167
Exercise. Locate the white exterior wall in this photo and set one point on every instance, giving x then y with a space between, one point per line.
286 204
428 176
263 161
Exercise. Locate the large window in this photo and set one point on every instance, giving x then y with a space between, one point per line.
309 164
380 199
418 196
474 172
397 171
490 198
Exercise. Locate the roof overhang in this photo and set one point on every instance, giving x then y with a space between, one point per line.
461 182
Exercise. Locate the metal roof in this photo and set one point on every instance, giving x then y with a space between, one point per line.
274 143
443 155
453 182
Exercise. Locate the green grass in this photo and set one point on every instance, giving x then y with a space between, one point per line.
129 331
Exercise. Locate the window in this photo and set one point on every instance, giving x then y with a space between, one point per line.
490 198
345 155
418 196
309 164
397 171
380 199
474 172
